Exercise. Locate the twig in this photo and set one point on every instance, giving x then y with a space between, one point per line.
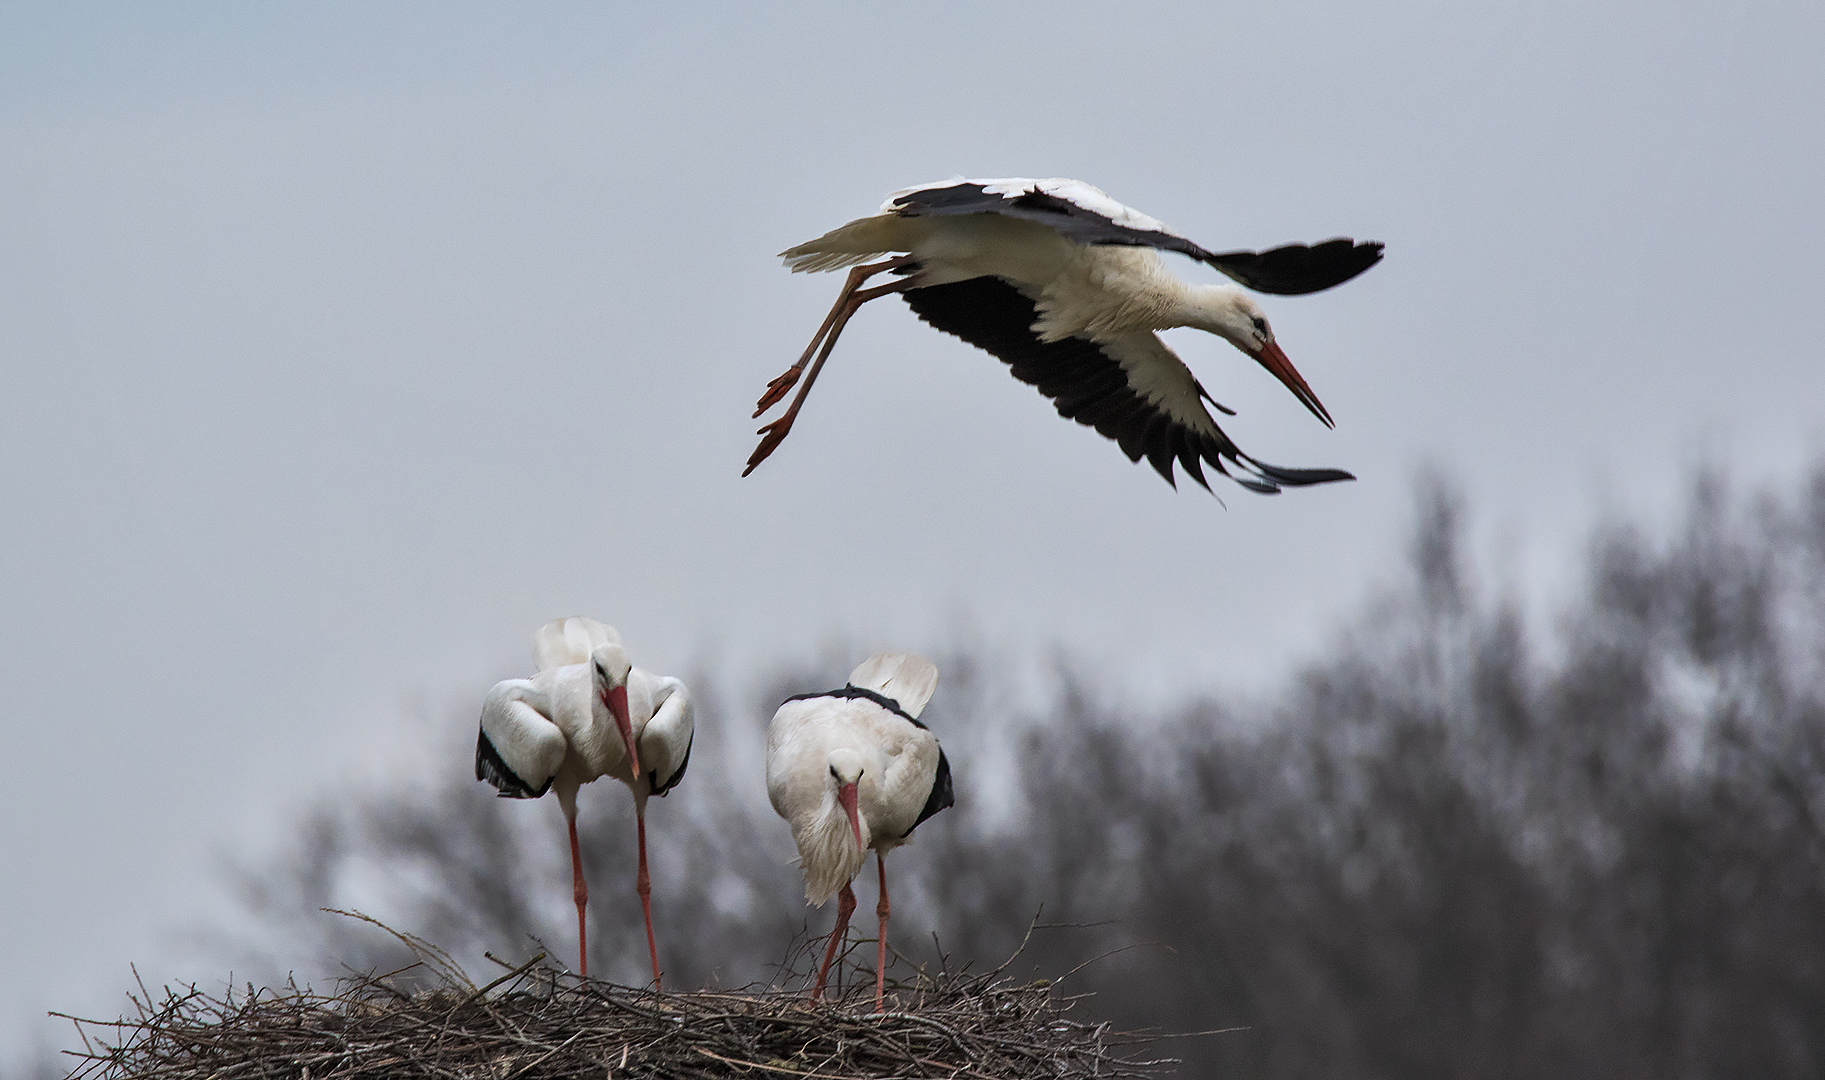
514 974
757 1065
1107 955
541 1058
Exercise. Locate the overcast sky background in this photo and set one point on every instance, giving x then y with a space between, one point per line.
342 344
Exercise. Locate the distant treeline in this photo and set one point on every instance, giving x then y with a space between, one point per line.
1451 848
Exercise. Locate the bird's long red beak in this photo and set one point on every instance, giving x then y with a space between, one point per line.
1273 359
616 700
846 796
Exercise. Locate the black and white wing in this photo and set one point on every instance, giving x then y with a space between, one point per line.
1132 389
943 795
1084 214
518 750
665 741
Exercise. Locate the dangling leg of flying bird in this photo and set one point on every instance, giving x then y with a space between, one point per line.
847 303
778 387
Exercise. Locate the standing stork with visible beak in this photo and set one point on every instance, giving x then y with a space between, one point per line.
854 769
587 713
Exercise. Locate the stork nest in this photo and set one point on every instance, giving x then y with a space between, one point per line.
535 1022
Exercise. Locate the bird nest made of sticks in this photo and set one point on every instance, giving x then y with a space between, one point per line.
535 1022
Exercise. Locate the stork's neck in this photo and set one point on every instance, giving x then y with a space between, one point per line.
1215 309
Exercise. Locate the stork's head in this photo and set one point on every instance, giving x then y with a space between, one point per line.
1234 316
845 774
831 833
611 668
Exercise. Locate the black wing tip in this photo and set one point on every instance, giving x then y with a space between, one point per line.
1297 269
1265 479
1300 477
1269 479
1161 456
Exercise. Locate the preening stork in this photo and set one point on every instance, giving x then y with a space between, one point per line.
854 769
1067 286
587 713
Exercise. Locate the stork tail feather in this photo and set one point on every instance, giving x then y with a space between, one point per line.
909 680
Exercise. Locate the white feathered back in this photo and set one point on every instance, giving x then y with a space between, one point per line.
906 678
562 642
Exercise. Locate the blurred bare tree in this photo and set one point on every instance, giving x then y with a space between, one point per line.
1442 852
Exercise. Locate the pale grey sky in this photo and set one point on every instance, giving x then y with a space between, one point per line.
342 344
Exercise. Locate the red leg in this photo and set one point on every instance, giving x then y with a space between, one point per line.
845 904
644 886
580 890
776 390
881 909
775 433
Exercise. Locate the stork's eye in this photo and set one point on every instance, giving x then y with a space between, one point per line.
1260 325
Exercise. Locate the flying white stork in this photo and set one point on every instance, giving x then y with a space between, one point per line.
587 713
853 769
1067 286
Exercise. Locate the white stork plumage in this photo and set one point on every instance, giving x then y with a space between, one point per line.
587 713
1067 286
854 769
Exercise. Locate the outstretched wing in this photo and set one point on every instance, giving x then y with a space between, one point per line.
1084 214
1132 389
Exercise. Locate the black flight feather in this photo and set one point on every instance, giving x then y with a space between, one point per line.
1296 269
942 796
